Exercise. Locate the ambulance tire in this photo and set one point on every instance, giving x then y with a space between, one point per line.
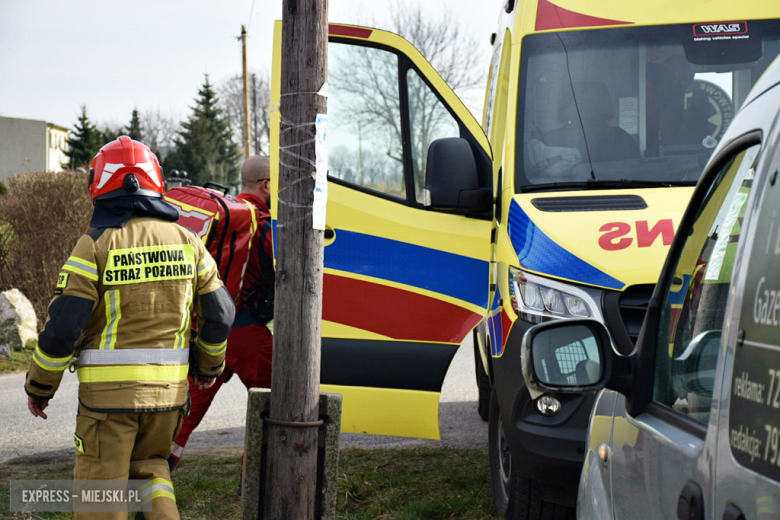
515 497
483 384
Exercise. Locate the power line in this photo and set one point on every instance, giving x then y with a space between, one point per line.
251 12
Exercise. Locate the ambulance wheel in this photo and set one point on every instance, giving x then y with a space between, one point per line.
483 384
515 497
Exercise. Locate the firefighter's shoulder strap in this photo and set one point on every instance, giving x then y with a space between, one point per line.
261 295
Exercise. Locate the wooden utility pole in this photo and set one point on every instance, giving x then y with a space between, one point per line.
254 115
247 131
291 471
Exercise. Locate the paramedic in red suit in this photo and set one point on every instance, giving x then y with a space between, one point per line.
250 343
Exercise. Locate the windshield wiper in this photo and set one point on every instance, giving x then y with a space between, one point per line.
604 184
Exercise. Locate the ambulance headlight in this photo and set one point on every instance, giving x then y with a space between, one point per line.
541 296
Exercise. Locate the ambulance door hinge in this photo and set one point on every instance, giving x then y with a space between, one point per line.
493 236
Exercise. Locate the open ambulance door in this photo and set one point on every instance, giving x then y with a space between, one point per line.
404 284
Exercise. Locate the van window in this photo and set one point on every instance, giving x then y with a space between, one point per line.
692 312
636 103
364 119
429 120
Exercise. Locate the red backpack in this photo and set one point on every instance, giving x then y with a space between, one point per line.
225 224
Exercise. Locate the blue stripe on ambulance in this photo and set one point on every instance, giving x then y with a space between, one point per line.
538 252
496 327
678 297
446 273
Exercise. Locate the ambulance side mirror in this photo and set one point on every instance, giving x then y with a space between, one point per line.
451 177
566 356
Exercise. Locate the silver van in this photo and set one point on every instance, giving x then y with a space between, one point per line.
688 425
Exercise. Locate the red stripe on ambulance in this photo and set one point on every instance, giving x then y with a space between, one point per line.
550 16
346 30
384 310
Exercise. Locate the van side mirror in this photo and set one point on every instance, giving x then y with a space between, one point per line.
451 177
566 356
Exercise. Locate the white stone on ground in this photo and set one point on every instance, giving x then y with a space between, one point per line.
18 324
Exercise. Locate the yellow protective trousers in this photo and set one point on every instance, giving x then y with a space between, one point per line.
124 446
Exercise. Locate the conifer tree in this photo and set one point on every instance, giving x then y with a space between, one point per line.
109 132
204 148
133 130
83 143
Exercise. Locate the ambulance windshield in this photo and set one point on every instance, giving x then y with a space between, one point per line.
636 104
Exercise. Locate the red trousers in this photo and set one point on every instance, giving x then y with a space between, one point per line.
249 354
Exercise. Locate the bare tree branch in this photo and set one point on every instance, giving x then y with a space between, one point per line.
159 129
231 99
444 42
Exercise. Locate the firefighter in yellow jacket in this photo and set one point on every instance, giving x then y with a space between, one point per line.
121 316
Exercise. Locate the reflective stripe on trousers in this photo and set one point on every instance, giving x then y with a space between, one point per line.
157 488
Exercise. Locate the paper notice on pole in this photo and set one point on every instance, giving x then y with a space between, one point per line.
321 178
323 90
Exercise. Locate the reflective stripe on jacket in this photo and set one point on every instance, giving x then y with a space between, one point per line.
122 307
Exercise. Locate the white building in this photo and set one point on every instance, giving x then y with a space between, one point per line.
28 145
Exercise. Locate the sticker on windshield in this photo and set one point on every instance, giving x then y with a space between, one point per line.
718 108
715 31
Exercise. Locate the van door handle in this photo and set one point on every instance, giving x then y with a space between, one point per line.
733 513
690 505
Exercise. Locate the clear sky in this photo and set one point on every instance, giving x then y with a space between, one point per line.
113 56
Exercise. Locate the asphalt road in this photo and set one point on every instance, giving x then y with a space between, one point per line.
21 434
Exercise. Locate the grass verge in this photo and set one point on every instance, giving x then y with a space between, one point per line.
17 362
422 483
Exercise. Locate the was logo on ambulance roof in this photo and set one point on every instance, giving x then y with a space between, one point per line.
714 29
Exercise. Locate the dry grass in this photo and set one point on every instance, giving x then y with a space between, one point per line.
41 219
16 362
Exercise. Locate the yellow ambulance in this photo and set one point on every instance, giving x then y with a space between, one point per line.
599 118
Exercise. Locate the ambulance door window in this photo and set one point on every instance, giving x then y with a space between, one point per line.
429 120
492 89
692 313
495 108
364 119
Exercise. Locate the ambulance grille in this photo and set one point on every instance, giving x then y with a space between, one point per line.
633 304
590 203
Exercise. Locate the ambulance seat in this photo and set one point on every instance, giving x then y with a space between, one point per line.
596 108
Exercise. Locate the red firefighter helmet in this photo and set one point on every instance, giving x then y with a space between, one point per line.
125 167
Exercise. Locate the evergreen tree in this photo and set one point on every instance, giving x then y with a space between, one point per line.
110 133
204 148
83 143
134 129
